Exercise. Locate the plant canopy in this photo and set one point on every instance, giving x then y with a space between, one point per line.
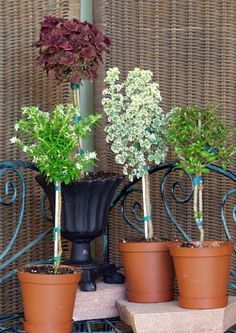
52 141
199 137
70 50
136 123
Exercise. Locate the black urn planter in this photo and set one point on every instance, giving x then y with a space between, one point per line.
85 210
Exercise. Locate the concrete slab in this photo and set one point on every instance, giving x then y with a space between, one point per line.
99 304
170 318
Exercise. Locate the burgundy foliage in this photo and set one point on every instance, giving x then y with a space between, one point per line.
70 50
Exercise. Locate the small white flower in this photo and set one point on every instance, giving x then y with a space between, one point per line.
14 139
16 127
91 155
78 166
25 148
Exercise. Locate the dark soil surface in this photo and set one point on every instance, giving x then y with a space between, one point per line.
100 175
183 244
48 269
200 244
141 240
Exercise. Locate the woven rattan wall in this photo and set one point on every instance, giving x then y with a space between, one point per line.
24 83
190 47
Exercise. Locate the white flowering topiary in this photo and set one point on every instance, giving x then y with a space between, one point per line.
136 128
136 122
52 140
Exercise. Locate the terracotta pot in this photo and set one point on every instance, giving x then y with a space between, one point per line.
202 275
149 271
48 301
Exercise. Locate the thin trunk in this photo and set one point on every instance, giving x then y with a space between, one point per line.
200 199
195 200
76 103
147 211
57 227
201 229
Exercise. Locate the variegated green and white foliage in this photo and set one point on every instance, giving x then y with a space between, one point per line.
136 128
136 122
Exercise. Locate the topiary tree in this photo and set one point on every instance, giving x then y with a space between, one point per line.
198 137
70 51
136 128
51 140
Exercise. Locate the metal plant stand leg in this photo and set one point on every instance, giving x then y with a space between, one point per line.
91 274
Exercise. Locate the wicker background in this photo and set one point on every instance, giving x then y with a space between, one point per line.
190 47
24 83
188 44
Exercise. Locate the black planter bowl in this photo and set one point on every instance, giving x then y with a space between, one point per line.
85 210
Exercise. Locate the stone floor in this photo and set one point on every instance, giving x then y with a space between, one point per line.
109 301
99 304
170 318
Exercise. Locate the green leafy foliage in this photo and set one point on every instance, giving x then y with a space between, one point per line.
199 137
136 123
52 141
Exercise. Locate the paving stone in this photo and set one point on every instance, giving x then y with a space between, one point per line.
98 304
170 318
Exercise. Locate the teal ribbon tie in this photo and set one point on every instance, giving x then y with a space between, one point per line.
147 218
74 86
146 168
55 231
58 187
77 118
199 223
197 180
81 152
55 259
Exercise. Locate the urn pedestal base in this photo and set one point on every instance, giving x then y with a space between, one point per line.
92 269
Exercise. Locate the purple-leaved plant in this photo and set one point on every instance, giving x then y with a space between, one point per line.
70 50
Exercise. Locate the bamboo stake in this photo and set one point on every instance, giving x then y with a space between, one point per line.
195 201
201 212
148 228
76 103
57 227
201 229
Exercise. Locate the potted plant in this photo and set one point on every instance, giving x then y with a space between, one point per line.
198 137
136 131
70 51
51 140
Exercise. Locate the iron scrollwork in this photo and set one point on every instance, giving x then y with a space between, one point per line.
175 186
136 208
14 191
178 195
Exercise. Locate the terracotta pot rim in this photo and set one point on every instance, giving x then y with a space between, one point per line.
49 278
222 243
225 248
74 268
144 246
